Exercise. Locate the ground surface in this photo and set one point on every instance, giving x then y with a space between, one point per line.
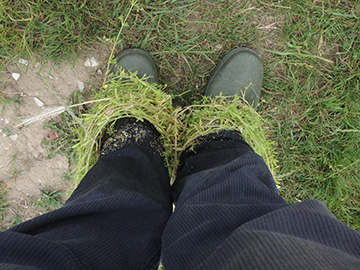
25 167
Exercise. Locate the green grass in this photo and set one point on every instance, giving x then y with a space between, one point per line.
49 200
3 204
61 135
15 221
314 106
56 28
310 50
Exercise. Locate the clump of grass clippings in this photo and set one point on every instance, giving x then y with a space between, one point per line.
124 96
222 113
128 96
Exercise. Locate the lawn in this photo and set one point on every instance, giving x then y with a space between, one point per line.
311 56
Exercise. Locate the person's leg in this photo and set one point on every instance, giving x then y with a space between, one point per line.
229 215
224 185
113 220
228 212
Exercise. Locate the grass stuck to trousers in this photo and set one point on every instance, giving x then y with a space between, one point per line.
128 96
310 51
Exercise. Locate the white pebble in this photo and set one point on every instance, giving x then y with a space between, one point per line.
16 76
51 77
99 71
218 47
81 86
23 61
6 121
38 102
91 62
13 137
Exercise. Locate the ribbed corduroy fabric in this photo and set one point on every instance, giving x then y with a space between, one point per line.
113 220
228 215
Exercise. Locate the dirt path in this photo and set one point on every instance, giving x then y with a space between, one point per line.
25 169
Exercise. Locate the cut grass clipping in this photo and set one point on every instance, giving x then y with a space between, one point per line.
128 96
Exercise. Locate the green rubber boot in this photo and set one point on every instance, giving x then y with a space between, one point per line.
240 72
136 59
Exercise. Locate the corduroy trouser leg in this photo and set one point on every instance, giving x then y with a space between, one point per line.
113 220
229 215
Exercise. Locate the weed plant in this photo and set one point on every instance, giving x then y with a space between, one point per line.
15 221
9 101
3 204
49 200
61 137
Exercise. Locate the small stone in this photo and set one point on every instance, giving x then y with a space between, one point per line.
23 61
218 47
14 137
81 86
91 62
38 102
51 77
16 76
99 71
6 121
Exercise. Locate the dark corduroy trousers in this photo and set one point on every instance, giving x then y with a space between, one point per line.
228 215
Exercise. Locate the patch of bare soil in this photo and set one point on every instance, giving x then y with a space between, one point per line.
269 28
25 169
